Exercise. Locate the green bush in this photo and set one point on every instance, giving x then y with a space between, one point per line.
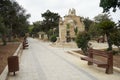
82 40
53 38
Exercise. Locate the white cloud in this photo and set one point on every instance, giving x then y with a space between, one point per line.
85 8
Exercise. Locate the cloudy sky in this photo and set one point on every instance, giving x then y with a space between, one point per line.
85 8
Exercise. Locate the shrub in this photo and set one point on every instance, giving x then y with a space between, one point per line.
53 38
82 40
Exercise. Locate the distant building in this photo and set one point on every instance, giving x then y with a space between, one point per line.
70 26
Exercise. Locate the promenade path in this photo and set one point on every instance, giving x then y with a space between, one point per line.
43 62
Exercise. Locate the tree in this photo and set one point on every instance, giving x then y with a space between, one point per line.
50 21
5 6
15 19
107 28
107 4
87 22
82 40
115 38
94 30
37 27
20 23
3 31
102 17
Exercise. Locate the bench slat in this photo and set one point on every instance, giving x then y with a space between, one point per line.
99 63
99 53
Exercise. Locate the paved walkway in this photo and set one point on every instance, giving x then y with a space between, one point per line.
43 62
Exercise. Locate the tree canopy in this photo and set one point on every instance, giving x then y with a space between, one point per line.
87 23
14 18
49 24
107 4
102 17
115 37
50 20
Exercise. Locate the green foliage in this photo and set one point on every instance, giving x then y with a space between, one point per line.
68 26
107 4
107 28
53 38
3 34
36 27
13 20
95 31
51 21
76 30
3 30
102 17
14 17
87 23
82 40
30 28
50 32
2 26
115 38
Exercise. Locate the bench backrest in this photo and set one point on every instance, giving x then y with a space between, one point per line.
106 54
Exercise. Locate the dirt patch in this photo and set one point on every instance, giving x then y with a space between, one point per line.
5 52
116 58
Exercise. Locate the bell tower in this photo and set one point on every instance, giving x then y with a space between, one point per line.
72 12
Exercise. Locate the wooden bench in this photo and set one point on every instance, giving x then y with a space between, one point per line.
100 63
25 43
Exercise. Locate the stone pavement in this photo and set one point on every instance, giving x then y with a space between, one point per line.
43 62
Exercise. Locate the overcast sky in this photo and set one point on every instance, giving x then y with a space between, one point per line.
85 8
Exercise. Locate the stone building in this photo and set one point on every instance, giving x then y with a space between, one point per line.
43 36
69 26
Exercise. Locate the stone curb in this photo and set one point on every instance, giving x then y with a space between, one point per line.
4 74
79 55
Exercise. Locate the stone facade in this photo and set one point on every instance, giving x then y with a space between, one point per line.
70 26
43 36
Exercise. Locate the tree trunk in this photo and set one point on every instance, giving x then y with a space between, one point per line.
109 42
84 50
4 39
9 37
